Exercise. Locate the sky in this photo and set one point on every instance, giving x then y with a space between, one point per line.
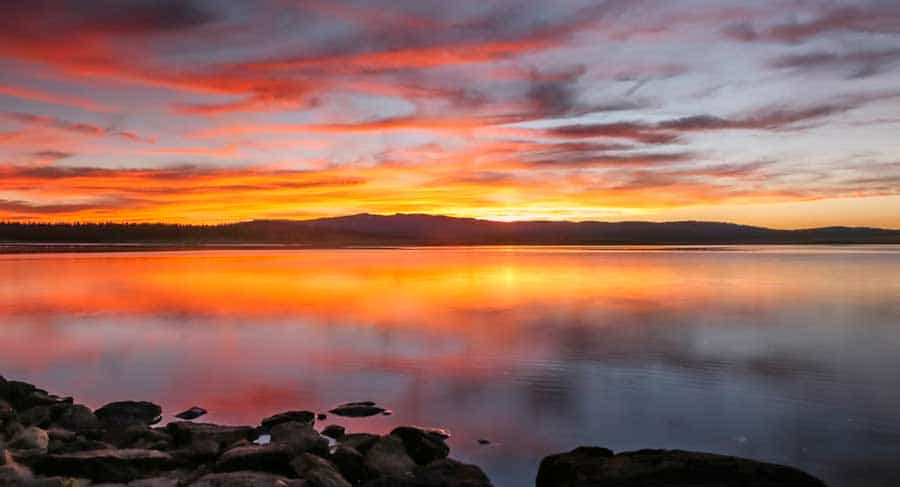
776 113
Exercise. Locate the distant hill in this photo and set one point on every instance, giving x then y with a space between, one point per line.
414 229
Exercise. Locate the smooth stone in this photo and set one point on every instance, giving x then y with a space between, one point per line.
105 465
273 458
192 413
242 479
334 431
423 445
318 472
592 466
30 438
300 437
129 412
184 432
388 458
307 417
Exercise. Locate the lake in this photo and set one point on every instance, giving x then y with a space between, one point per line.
783 354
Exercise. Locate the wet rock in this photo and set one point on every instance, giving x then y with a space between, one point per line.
300 437
388 458
450 473
318 472
30 438
105 465
306 417
272 458
590 466
361 442
192 413
423 445
184 433
334 431
358 409
241 479
350 463
125 413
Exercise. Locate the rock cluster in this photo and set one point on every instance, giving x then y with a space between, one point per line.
46 440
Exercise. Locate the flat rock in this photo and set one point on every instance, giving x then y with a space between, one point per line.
388 458
192 413
273 458
307 417
423 445
184 432
591 466
129 412
300 437
242 479
105 465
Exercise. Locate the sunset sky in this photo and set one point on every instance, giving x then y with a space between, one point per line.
770 112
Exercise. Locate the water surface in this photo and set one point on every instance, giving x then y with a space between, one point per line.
785 354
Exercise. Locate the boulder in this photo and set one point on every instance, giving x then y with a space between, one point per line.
450 473
358 409
360 442
350 463
105 465
192 413
273 458
423 445
139 436
39 416
591 466
23 396
318 472
31 438
334 431
75 417
125 413
388 458
6 411
79 444
200 451
184 433
241 479
11 473
300 437
306 417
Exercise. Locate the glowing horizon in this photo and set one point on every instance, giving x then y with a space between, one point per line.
771 113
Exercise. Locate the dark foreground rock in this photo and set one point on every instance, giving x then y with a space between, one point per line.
50 441
592 466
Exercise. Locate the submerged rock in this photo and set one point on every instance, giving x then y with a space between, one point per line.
192 413
360 409
124 413
591 466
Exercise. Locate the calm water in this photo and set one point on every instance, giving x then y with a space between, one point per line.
782 354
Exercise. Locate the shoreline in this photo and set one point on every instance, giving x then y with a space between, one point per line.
49 441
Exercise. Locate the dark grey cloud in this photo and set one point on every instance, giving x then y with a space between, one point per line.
853 64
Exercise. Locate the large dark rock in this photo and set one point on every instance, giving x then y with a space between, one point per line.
79 444
589 467
388 458
300 437
124 413
242 479
139 436
334 431
306 417
273 458
350 463
185 433
23 396
360 442
318 472
31 438
358 409
423 445
450 473
105 465
75 417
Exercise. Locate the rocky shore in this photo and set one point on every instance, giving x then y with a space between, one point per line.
48 441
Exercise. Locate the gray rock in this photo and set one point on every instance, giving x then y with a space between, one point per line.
241 479
423 445
30 438
388 458
300 437
334 431
591 466
184 433
124 413
106 465
318 472
273 458
306 417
